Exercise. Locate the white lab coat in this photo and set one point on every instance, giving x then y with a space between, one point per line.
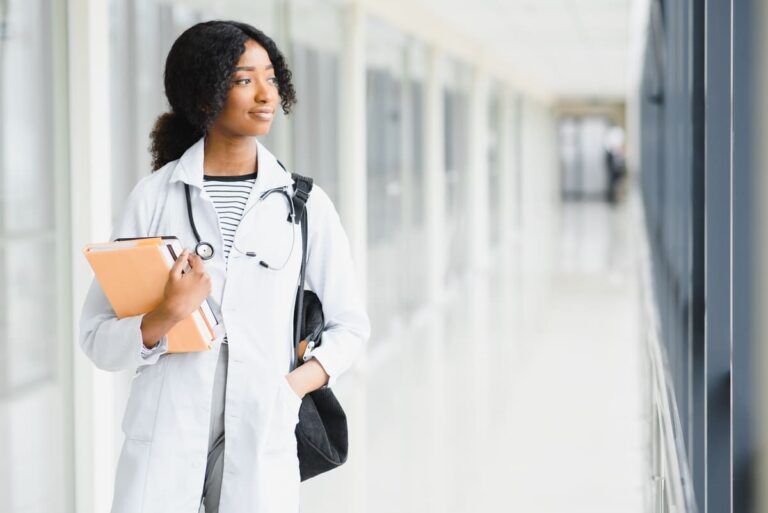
162 463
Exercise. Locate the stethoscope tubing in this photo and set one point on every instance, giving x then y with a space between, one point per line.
205 249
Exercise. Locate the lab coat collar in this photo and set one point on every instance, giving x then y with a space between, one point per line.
189 169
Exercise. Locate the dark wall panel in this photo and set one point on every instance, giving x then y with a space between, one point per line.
696 118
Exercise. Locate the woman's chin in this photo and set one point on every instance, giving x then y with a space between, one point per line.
261 130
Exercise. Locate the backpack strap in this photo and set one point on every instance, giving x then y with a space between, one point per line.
302 187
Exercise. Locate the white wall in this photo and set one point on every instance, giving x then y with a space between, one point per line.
540 204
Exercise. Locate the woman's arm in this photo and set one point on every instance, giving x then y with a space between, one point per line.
116 344
113 344
155 324
331 275
183 294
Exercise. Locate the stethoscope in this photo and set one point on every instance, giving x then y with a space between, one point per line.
204 249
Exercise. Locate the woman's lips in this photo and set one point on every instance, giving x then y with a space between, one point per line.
262 114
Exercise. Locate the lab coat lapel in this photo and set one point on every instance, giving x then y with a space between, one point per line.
190 166
270 174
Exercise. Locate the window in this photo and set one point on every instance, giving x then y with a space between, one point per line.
456 98
35 347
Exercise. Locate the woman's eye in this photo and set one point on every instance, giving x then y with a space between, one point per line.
273 80
243 81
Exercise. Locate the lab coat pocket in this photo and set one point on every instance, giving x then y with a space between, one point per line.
131 477
143 401
294 401
282 435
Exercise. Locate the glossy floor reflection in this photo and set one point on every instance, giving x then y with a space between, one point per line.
524 394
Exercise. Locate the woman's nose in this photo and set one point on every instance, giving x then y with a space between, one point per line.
264 91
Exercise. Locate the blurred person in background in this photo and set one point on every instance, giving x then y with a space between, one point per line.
615 163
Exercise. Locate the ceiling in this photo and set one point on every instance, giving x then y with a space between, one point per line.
570 49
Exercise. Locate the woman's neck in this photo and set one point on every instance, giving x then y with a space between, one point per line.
229 156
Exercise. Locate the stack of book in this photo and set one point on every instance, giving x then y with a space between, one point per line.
133 273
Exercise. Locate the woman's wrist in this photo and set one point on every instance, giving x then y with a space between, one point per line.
307 377
295 384
169 311
156 324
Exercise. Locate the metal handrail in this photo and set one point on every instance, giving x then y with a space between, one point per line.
678 484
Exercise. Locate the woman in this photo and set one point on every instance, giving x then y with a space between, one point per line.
215 429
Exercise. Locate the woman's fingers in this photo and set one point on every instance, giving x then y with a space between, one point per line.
197 264
178 265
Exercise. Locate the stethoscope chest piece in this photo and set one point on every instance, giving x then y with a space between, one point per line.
204 250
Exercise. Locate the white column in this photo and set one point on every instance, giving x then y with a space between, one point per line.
434 216
506 173
477 355
90 220
515 146
353 212
477 185
352 140
434 177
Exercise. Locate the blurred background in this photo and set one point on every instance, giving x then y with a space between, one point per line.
554 208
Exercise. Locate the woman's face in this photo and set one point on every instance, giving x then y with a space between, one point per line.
253 95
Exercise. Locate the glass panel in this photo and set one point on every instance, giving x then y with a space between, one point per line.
26 189
455 98
315 60
142 32
29 327
413 281
389 168
26 196
33 391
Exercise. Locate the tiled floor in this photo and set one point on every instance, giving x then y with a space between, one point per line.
523 395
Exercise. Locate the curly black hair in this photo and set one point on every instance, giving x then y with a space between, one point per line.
198 71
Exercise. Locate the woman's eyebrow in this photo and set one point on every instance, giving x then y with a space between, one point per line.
252 68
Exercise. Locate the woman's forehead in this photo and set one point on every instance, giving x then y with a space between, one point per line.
254 56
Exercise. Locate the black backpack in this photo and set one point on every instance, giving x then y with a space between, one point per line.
321 433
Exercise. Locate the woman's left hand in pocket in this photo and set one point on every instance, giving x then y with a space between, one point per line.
293 379
307 377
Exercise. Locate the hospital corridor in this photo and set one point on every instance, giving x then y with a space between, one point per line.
505 398
383 256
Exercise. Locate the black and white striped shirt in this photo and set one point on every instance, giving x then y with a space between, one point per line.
229 195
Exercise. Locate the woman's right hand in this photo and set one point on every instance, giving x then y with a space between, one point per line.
184 293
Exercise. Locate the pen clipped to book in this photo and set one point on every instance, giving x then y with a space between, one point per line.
133 273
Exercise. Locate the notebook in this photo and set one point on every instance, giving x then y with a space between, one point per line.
133 273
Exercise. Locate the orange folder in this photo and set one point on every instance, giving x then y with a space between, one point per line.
133 272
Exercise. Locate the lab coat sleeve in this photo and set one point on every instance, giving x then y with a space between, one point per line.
331 275
115 344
